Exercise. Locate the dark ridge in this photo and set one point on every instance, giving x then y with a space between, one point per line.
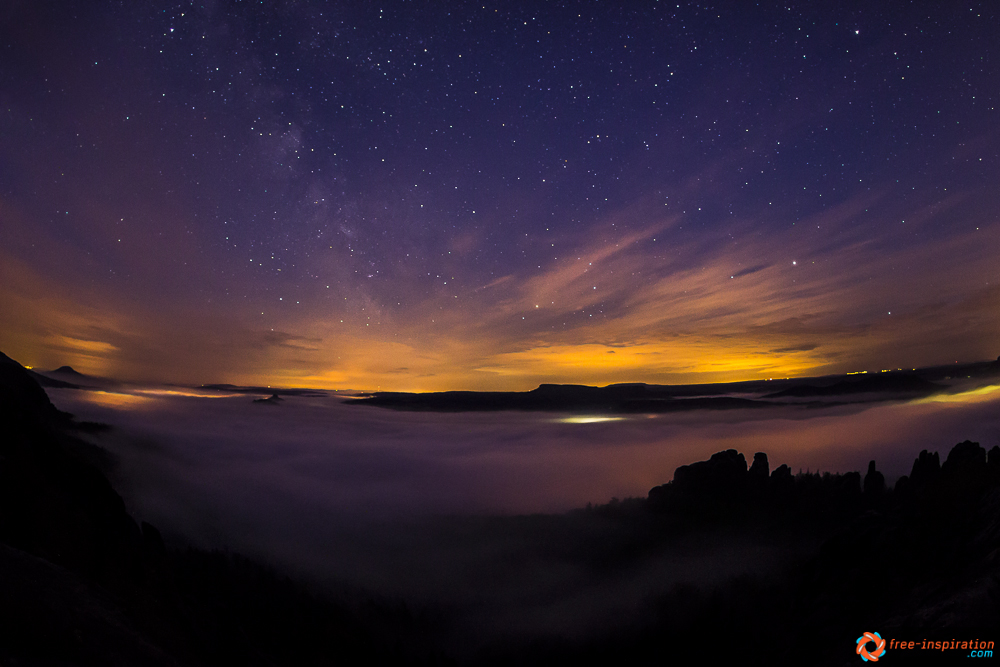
649 398
559 398
92 427
237 389
881 383
273 399
46 381
682 404
979 369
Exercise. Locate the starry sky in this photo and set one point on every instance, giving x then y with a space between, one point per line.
429 196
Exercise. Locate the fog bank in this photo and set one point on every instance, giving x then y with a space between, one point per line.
399 502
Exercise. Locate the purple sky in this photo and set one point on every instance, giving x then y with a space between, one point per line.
493 196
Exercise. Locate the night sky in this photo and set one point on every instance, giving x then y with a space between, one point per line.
427 196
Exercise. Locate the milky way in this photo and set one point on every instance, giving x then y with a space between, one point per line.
488 197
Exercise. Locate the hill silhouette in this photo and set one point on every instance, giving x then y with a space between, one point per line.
292 391
560 398
639 398
68 370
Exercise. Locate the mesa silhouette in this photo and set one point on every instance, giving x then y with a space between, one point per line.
633 398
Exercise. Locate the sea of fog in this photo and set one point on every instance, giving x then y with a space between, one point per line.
395 502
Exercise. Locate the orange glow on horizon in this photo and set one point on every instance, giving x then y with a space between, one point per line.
608 312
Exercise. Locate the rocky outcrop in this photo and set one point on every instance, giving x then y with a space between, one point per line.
273 399
874 482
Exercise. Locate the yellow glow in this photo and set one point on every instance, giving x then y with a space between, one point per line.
653 361
972 396
588 420
191 393
585 318
92 346
114 399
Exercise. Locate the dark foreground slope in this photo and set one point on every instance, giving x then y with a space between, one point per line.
82 584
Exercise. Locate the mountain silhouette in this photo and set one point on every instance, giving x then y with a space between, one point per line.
68 370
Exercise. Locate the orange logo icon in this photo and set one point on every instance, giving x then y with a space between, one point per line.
866 639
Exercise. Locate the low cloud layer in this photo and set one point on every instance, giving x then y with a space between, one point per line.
399 502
